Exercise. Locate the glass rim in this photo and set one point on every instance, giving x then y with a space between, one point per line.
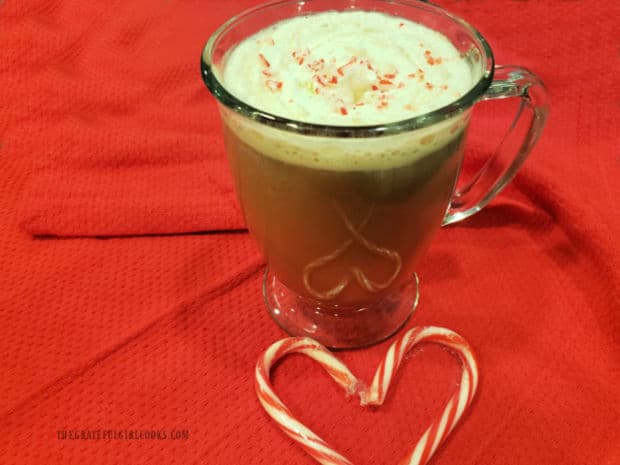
280 122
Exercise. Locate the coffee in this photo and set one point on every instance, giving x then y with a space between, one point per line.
342 219
317 226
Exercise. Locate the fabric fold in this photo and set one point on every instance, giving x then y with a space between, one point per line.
138 200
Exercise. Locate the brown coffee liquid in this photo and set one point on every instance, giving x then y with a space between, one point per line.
342 236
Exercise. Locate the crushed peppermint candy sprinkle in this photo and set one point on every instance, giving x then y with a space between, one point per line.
274 86
380 83
264 61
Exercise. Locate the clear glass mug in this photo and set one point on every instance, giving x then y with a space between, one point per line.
341 243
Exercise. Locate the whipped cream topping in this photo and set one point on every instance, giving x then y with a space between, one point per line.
347 68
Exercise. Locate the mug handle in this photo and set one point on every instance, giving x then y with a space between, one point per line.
498 171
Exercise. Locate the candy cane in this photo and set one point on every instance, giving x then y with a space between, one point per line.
436 433
363 280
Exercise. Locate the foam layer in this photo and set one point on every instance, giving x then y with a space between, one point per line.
345 154
347 68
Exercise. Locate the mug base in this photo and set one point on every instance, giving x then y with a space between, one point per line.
337 326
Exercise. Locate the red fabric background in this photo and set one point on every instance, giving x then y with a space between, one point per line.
161 331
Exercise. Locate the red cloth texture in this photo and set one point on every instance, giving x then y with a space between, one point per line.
107 130
126 129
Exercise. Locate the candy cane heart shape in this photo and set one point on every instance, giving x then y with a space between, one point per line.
436 433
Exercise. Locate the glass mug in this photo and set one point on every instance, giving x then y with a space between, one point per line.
341 243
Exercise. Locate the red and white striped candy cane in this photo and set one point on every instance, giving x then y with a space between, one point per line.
436 433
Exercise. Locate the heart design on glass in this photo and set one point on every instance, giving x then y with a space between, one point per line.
434 435
363 280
